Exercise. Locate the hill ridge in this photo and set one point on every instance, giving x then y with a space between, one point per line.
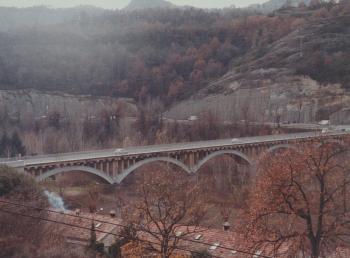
148 4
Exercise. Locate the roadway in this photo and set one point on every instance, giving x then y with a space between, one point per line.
74 156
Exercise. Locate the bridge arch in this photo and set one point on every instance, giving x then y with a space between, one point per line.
272 150
75 168
282 146
331 141
139 164
220 153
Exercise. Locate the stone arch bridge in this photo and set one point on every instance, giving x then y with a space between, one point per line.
115 165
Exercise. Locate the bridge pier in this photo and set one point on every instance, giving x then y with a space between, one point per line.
114 168
189 156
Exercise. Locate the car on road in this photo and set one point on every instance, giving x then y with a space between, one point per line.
235 140
193 118
325 130
120 151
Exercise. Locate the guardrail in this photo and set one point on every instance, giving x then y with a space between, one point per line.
175 146
12 159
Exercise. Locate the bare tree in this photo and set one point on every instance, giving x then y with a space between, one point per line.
150 119
299 205
168 211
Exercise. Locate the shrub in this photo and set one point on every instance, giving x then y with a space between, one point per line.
9 180
201 254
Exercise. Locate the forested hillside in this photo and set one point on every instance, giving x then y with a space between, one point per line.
169 53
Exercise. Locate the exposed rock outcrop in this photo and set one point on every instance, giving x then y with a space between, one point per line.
35 104
267 86
278 96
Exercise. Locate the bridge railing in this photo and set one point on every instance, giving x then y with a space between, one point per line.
55 155
181 146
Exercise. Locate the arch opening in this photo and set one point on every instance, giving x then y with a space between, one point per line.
274 150
232 153
139 164
279 147
334 142
85 169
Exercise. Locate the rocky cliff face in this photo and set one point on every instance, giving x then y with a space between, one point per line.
276 96
35 104
267 86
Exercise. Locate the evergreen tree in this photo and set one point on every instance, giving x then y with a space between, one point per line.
55 120
5 146
16 145
201 254
93 236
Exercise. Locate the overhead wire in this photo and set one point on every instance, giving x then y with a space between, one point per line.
124 226
97 230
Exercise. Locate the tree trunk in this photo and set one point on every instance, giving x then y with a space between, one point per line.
315 249
164 249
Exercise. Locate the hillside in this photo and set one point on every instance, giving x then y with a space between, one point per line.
302 77
35 105
148 4
177 54
114 53
273 5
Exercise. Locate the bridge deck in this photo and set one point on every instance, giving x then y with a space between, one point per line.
73 156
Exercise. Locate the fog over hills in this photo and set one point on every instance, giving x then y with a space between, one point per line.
119 4
268 6
169 53
272 5
259 5
146 4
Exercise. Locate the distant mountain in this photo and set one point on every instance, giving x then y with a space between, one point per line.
148 4
273 5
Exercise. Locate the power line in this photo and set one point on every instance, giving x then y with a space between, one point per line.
121 225
86 228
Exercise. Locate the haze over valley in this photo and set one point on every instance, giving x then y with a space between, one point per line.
111 4
174 128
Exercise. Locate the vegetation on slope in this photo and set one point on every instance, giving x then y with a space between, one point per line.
168 53
20 234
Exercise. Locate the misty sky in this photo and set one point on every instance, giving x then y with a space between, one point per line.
113 4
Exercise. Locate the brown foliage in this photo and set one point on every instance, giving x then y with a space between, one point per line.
300 203
168 204
23 236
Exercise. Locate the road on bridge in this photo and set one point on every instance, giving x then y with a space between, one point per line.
64 157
